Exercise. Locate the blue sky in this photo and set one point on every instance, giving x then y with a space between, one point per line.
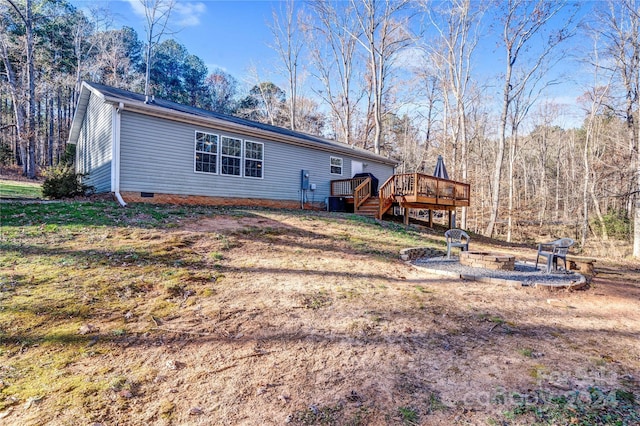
224 34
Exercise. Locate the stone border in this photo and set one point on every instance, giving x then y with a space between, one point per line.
414 253
410 254
488 260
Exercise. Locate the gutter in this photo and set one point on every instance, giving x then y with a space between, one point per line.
115 153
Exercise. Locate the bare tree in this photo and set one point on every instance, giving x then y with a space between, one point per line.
383 37
15 92
333 53
84 40
264 102
522 22
457 25
157 14
622 36
520 107
288 44
27 19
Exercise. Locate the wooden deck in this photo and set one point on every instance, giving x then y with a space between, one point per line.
407 190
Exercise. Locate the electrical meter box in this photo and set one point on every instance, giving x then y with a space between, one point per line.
304 180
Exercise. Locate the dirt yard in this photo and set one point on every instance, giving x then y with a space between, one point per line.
308 319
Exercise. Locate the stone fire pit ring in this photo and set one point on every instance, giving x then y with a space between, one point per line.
487 260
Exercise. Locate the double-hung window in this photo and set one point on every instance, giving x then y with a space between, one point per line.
336 166
253 159
206 160
231 156
228 156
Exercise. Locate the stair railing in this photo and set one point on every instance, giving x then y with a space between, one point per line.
386 194
362 193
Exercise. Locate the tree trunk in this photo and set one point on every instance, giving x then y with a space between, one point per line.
585 187
497 171
512 159
636 229
463 156
557 189
50 139
596 208
18 108
31 78
376 72
147 71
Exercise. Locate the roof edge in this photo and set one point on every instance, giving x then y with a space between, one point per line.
228 125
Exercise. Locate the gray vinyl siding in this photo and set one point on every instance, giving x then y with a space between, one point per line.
381 171
93 150
157 155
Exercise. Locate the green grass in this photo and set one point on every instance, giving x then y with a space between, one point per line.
408 415
16 189
102 213
598 407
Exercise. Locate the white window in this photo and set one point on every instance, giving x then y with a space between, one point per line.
206 158
336 166
230 156
253 159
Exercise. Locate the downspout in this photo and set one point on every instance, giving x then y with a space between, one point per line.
115 154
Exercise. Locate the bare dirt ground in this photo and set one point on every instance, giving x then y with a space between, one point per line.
306 324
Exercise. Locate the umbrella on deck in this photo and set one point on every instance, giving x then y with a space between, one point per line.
441 170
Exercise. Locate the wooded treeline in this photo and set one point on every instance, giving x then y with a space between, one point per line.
397 77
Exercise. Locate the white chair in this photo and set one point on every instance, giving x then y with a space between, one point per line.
553 251
456 238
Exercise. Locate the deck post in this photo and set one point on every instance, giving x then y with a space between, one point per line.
406 216
449 219
430 218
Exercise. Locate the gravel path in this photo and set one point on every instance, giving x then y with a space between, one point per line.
525 273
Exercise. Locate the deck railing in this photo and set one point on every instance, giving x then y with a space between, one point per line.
405 187
345 187
419 185
422 188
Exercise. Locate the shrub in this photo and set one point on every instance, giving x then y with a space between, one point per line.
618 224
63 182
6 155
69 154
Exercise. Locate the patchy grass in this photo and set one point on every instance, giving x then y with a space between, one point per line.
595 406
160 314
408 415
19 189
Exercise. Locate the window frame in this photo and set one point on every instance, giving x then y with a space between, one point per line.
216 153
331 165
239 157
242 158
245 158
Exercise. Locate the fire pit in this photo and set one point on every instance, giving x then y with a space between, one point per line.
496 261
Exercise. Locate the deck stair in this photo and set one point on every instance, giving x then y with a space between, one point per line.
369 208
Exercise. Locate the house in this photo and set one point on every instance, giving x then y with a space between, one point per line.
161 151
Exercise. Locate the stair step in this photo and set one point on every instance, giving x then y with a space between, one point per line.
370 208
